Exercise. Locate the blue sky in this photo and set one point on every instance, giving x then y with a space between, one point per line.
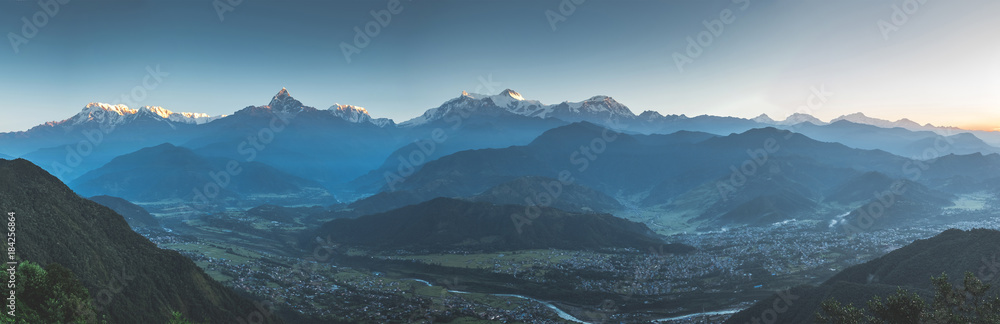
939 66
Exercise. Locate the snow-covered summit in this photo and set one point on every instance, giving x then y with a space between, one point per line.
603 108
793 119
286 106
284 103
764 119
358 115
114 115
600 105
861 118
510 100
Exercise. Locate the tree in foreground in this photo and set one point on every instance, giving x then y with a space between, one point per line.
966 304
50 295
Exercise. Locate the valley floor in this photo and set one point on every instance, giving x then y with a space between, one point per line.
730 270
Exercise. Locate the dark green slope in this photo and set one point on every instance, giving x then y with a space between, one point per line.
444 224
131 279
954 252
569 197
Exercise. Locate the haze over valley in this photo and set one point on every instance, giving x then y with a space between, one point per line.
500 162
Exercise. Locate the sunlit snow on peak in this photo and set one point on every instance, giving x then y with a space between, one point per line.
349 108
119 114
513 94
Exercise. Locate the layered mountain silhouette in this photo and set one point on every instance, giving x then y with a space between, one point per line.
464 175
282 134
719 180
691 173
131 279
897 140
170 173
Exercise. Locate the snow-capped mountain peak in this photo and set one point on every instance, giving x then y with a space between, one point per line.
159 111
349 109
596 108
512 94
798 118
650 115
858 116
764 119
283 102
503 99
102 113
793 119
510 100
603 106
97 107
358 115
907 123
283 94
107 114
350 113
861 118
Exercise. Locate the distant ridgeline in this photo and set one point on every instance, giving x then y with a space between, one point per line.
87 264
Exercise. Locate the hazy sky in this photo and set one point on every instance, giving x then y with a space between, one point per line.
941 65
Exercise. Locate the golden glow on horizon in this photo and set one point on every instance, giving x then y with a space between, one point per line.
991 127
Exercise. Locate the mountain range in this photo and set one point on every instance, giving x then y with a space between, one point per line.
461 176
100 132
800 179
503 149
